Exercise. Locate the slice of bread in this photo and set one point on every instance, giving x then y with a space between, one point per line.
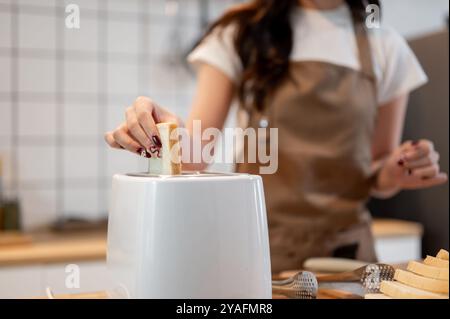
442 254
428 271
420 282
398 290
436 262
166 161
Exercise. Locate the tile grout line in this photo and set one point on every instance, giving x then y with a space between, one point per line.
102 100
60 105
92 14
76 55
14 98
75 96
144 60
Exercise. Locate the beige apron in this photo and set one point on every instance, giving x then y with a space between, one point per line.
325 116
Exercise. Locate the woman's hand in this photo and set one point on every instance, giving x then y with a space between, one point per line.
138 133
413 165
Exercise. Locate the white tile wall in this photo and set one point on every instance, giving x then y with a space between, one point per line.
415 17
123 36
37 119
83 39
189 35
80 120
80 162
5 120
7 165
104 203
119 162
38 207
115 112
82 201
160 38
156 6
5 30
60 134
83 4
44 3
186 77
36 163
125 6
37 75
163 78
183 103
219 7
123 78
167 100
5 73
189 8
81 76
37 31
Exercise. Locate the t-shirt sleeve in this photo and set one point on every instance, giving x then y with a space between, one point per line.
402 72
218 50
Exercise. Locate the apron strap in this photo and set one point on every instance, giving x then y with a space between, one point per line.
364 49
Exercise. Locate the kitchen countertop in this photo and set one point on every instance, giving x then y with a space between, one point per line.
45 247
323 294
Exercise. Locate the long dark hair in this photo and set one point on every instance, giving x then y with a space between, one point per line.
263 41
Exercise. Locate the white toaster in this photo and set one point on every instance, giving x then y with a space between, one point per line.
199 235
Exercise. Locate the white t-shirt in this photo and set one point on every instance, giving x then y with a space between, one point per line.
328 36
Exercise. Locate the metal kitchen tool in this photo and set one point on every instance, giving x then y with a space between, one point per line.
302 285
368 277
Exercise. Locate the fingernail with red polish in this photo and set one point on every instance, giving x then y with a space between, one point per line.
401 162
157 141
144 153
410 172
415 143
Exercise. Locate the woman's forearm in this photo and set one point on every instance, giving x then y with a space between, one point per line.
209 110
383 186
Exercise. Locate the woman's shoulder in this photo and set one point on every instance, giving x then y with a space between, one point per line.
397 67
387 40
388 45
218 49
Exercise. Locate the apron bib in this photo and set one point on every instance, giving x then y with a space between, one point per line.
325 116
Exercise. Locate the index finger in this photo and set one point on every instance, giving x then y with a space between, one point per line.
144 112
418 150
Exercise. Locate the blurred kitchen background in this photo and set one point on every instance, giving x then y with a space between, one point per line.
61 89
